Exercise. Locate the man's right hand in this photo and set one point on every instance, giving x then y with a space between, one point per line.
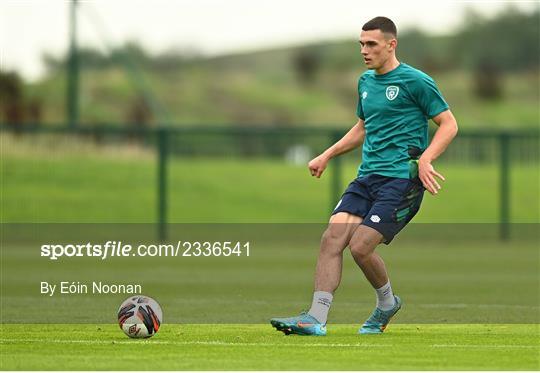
318 165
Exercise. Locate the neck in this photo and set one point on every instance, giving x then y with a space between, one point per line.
390 65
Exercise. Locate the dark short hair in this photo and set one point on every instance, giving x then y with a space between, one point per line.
381 23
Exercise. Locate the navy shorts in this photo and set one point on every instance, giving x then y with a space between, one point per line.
385 204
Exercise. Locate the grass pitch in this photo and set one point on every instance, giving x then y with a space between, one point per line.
442 281
259 347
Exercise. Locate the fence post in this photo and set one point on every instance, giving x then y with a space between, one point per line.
504 219
162 183
72 93
335 187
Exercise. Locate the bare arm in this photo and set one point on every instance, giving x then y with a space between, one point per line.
352 139
443 137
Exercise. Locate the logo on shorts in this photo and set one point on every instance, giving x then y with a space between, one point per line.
338 204
364 95
375 218
392 92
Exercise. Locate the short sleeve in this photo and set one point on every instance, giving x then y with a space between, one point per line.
428 96
359 110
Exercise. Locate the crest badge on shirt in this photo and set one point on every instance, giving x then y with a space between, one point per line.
392 92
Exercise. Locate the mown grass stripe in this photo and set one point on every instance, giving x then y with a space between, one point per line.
255 344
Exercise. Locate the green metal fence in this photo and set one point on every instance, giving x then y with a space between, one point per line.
502 148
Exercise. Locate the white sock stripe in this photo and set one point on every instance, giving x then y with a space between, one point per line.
324 302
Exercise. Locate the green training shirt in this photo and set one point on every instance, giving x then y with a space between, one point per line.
396 107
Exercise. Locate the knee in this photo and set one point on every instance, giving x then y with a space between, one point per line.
361 248
334 239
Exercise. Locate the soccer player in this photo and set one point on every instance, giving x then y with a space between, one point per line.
395 103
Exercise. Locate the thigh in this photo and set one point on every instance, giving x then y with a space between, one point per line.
345 218
341 227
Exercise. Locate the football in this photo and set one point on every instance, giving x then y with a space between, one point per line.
140 316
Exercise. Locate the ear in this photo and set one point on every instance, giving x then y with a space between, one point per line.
392 44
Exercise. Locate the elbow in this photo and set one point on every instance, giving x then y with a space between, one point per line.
451 126
447 123
455 128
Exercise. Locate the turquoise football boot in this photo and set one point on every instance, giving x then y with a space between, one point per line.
304 324
379 319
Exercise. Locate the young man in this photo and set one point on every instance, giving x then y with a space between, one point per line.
395 103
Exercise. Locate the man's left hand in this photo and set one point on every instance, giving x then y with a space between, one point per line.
427 175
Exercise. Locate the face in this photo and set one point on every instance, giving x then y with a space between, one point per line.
376 48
